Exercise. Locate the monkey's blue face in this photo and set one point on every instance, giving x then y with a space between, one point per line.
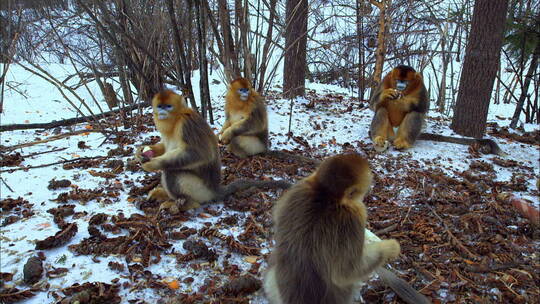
401 84
243 93
164 110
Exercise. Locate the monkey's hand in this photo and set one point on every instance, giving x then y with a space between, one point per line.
226 136
139 154
391 94
380 144
390 249
152 165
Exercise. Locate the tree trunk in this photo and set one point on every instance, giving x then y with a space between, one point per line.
482 56
294 70
266 47
232 69
206 105
525 89
360 12
184 77
381 39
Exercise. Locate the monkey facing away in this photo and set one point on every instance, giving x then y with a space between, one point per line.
246 122
187 157
400 101
319 252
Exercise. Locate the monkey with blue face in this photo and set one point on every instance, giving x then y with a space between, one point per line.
187 155
245 131
188 158
400 102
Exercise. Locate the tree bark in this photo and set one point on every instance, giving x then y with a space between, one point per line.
294 69
203 62
360 12
482 55
232 69
266 47
381 39
182 68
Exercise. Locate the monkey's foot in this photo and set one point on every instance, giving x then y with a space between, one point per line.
380 144
170 206
390 248
188 205
181 204
158 194
401 144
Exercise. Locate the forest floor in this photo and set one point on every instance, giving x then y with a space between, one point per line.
78 204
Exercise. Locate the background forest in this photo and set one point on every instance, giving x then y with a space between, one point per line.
137 46
76 79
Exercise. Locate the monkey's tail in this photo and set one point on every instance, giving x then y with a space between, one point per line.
403 289
291 156
487 146
243 184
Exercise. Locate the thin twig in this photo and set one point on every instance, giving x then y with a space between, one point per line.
457 242
52 164
387 229
3 181
44 152
54 137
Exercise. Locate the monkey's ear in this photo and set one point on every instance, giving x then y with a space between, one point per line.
351 192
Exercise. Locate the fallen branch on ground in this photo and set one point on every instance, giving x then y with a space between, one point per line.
48 139
52 164
70 121
290 156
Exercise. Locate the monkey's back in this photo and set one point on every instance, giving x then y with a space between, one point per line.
309 244
201 140
260 114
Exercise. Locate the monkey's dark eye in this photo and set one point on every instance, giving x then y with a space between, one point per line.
243 91
165 106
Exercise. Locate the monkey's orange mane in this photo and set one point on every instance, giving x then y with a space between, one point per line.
164 95
408 73
243 82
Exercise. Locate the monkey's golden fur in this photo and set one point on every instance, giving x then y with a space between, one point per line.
187 155
393 108
319 251
246 122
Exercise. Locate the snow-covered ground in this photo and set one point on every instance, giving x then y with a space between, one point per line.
336 119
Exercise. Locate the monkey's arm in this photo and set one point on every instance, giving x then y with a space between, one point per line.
177 159
382 97
401 287
158 150
375 99
417 100
254 123
227 123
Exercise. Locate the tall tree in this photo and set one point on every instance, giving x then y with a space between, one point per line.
294 70
482 56
522 43
384 25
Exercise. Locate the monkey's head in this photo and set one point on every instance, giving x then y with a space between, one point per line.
343 178
166 104
241 87
403 78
